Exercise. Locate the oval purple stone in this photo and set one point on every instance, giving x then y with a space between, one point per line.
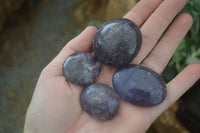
139 85
81 68
100 101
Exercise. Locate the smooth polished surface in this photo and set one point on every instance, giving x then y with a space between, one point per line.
139 85
117 42
100 101
81 68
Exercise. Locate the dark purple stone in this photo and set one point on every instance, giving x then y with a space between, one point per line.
139 85
100 101
117 42
81 68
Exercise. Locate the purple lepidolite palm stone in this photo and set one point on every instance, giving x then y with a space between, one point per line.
100 101
81 68
117 42
139 85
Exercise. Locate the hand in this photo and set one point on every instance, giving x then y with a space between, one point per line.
55 106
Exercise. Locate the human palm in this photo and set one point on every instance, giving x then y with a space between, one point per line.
55 106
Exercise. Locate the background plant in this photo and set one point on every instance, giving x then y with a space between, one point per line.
189 50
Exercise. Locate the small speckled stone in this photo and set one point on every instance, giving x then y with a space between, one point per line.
139 85
81 68
117 42
100 101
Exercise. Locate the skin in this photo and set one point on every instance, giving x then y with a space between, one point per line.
55 105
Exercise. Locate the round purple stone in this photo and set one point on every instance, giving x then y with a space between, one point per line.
100 101
139 85
81 68
117 42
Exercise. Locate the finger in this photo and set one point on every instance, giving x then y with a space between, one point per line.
83 42
142 10
154 27
161 54
177 87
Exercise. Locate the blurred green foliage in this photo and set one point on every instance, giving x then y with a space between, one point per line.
94 23
149 131
189 50
90 23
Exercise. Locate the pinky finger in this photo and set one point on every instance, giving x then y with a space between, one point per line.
182 82
177 87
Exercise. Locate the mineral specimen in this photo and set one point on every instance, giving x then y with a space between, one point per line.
139 85
117 42
81 68
100 101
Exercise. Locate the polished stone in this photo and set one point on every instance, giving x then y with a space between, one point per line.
117 42
139 85
81 68
100 101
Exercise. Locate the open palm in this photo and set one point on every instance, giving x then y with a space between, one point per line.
55 106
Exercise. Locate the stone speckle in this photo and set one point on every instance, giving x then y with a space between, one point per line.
81 68
117 42
100 101
139 85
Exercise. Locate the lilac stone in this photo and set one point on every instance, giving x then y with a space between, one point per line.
81 68
117 42
139 85
100 101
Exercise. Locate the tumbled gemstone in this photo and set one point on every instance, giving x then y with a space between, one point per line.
100 101
81 68
139 85
117 42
